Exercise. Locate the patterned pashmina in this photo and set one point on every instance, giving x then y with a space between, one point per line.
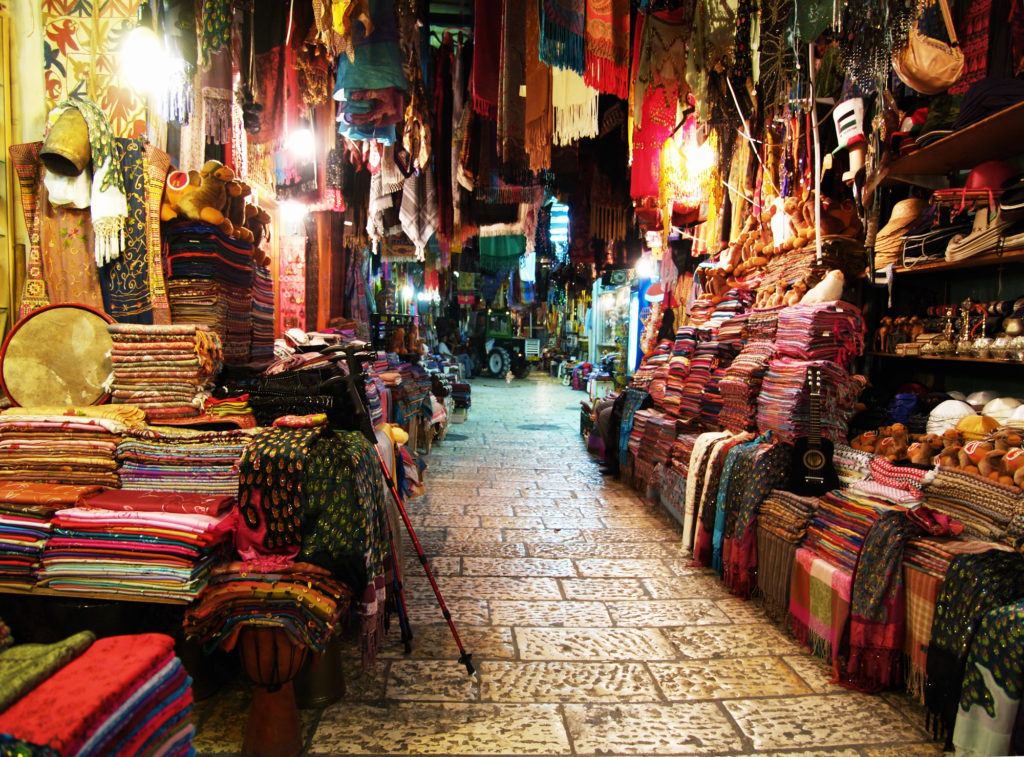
561 34
25 158
878 608
819 604
974 585
486 57
695 475
539 113
607 46
990 697
216 27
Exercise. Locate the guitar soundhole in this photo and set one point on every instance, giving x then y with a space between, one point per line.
814 460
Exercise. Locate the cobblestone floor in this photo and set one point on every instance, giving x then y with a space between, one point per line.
590 633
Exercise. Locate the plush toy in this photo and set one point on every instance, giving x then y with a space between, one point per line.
828 289
972 455
209 201
237 192
924 451
1011 467
412 342
177 186
398 340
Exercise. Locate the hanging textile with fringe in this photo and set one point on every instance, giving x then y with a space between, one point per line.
561 34
575 107
606 41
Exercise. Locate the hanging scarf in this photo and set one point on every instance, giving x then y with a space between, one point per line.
25 158
487 31
974 585
418 212
217 97
878 604
216 27
561 34
539 114
993 685
157 163
125 280
108 205
575 107
607 46
511 105
444 62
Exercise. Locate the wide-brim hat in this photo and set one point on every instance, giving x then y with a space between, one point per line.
904 214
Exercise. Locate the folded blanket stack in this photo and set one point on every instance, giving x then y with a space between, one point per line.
26 511
784 405
46 446
210 282
165 370
123 695
741 385
825 331
182 460
300 598
136 544
679 366
262 350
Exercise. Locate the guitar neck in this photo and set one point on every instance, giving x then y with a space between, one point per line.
814 429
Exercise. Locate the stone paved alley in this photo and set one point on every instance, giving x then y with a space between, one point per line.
590 633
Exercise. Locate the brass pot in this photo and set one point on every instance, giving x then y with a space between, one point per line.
1013 326
66 148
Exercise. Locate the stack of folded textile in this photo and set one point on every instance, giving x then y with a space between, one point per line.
643 377
638 433
230 408
784 405
26 510
182 460
123 695
210 282
705 360
985 507
787 515
682 449
412 394
300 598
711 396
165 370
763 324
741 385
789 268
782 521
851 464
840 524
825 331
679 366
889 240
262 350
378 400
64 445
158 544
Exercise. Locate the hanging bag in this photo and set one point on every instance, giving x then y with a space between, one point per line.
929 65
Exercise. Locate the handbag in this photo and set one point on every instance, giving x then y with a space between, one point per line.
929 65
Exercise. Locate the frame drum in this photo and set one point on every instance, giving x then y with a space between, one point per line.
57 355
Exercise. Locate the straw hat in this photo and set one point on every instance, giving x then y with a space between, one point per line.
904 213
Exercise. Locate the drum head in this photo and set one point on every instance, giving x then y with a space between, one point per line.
57 355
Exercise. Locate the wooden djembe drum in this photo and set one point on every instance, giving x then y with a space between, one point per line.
271 660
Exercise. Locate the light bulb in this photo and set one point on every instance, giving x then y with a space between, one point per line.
144 63
292 212
407 291
302 144
645 267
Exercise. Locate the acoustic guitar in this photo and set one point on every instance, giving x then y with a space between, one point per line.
812 472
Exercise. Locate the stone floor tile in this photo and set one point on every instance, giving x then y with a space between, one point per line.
688 587
544 536
488 587
490 510
727 678
666 612
815 672
561 521
634 521
593 644
445 508
432 681
622 568
566 682
523 566
509 521
742 610
924 749
442 729
477 549
552 614
424 610
540 509
651 729
449 521
630 534
602 589
441 565
836 720
589 550
738 640
474 534
435 642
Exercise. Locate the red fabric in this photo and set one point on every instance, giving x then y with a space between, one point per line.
487 20
63 711
162 502
606 53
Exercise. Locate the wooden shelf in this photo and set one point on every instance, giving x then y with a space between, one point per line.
42 591
998 257
950 359
992 138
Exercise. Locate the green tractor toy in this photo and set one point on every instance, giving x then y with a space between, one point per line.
497 351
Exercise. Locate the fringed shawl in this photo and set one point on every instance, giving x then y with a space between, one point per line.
607 46
575 107
511 105
539 115
561 33
486 56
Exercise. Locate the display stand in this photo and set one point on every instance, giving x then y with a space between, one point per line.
271 660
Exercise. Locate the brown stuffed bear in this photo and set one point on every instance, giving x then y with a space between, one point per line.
209 201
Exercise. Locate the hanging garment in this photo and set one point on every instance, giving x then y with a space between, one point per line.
487 33
575 106
606 40
511 104
539 114
562 27
418 212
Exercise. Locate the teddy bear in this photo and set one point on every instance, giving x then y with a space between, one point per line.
209 201
177 185
238 191
398 340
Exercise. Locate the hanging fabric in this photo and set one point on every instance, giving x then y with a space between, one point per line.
418 212
606 41
562 26
487 31
575 106
539 113
511 105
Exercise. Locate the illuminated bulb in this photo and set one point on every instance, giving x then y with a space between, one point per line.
301 143
144 63
424 297
702 159
407 291
292 212
645 267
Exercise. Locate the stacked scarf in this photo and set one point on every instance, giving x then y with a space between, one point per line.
606 40
974 585
878 607
108 204
562 25
539 114
487 30
986 721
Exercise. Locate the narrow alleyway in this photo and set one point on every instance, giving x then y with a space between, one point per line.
590 633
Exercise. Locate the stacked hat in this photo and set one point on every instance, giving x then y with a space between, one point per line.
947 415
889 240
